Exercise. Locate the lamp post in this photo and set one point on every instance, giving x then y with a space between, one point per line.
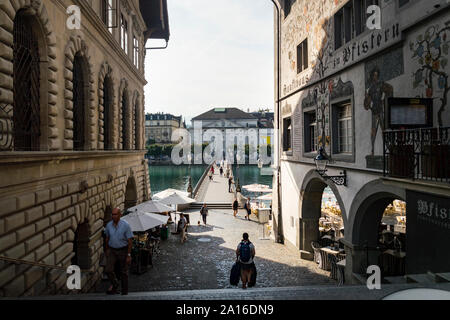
321 161
238 186
189 188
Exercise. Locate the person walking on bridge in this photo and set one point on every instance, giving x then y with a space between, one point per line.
204 213
235 207
230 182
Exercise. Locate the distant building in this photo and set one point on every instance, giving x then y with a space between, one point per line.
224 119
160 126
265 118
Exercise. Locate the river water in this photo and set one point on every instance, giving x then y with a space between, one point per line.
177 177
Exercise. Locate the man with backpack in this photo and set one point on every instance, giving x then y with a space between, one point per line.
245 253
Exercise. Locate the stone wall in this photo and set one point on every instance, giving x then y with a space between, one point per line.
40 223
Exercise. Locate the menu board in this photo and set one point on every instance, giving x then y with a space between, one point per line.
410 113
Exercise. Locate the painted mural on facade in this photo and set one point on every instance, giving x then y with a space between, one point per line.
375 100
430 51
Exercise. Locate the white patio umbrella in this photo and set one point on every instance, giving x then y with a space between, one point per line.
255 185
258 189
151 206
141 221
168 192
265 197
176 199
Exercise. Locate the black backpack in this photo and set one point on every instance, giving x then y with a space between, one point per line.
245 251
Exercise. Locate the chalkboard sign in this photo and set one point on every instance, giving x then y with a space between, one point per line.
409 113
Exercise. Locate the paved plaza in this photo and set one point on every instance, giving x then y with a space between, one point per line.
205 260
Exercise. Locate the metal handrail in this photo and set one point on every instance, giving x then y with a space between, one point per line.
39 264
200 181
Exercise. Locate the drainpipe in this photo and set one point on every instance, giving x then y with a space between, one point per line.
279 226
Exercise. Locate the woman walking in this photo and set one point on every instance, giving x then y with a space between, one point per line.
235 207
248 208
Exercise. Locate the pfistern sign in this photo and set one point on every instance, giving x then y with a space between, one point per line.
427 233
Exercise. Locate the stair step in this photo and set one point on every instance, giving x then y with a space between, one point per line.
419 278
395 280
443 277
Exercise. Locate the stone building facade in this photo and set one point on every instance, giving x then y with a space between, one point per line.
71 133
160 126
352 90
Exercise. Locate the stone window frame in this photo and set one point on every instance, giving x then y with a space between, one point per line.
48 86
106 70
309 152
287 152
354 34
309 104
336 155
301 62
137 122
124 90
77 45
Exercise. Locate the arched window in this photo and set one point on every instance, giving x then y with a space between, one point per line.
125 126
108 107
79 104
26 86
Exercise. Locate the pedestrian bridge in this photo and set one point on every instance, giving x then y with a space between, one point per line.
215 192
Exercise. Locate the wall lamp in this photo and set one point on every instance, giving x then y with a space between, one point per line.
321 164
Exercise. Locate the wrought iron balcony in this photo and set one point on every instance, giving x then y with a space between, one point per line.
417 154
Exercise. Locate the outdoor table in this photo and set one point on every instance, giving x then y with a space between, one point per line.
393 262
324 255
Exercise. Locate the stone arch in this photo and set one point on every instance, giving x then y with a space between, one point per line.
48 87
365 216
137 125
367 210
131 195
311 192
106 72
124 116
77 45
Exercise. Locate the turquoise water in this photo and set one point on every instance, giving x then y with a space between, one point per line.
177 177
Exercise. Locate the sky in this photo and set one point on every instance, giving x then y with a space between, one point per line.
220 54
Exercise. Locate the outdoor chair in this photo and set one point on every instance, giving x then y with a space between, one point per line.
324 265
334 268
316 247
340 270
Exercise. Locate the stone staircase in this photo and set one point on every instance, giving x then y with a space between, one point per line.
212 205
348 292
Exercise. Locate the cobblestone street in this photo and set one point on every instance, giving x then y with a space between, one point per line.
205 260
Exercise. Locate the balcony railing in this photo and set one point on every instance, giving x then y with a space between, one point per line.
417 154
